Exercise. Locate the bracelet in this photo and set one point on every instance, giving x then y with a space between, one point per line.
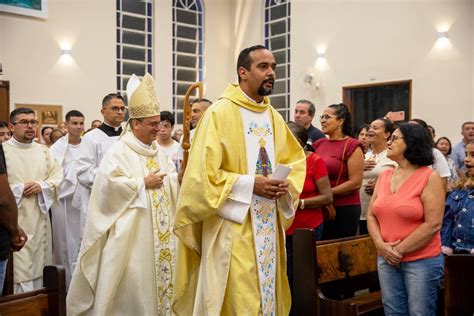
302 204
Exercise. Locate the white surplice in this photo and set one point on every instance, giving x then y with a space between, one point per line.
93 147
65 218
26 163
127 259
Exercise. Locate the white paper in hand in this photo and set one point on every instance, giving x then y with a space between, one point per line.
281 172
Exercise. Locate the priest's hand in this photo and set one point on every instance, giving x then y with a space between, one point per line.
154 179
270 189
18 239
31 188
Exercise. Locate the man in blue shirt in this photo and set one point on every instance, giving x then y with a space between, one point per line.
459 150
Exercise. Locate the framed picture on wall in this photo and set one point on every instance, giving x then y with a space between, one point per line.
47 115
35 8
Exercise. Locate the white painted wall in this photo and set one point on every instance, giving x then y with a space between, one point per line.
389 40
163 54
32 56
472 39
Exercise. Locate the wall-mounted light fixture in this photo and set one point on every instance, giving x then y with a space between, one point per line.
66 52
442 36
321 55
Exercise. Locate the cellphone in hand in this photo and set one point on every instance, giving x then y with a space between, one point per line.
397 116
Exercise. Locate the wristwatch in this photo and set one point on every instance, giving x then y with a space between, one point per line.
302 204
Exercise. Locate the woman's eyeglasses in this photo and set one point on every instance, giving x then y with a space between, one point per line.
326 117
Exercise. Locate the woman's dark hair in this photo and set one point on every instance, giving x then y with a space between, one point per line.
449 142
362 127
342 112
425 126
419 149
301 135
45 128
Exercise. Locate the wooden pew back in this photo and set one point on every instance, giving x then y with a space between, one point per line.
459 285
50 300
326 274
346 257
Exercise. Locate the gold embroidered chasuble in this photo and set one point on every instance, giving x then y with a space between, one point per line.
217 265
126 264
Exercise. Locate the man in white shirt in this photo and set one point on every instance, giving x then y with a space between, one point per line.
164 138
440 164
65 218
93 147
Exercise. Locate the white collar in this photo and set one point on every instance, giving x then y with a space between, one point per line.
250 99
115 128
16 143
142 144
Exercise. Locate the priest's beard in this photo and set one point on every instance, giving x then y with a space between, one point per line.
264 92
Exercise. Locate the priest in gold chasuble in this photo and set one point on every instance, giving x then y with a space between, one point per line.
126 264
231 215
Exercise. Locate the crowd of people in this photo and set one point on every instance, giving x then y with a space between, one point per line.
139 233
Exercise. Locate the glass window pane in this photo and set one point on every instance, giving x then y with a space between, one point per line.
180 118
133 38
186 47
182 88
131 22
132 68
280 72
179 103
277 43
278 102
280 57
278 27
134 53
278 12
186 75
279 87
133 6
186 32
186 17
186 61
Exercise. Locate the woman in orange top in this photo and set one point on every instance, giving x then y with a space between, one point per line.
404 220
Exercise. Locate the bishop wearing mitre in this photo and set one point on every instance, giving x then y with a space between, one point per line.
126 263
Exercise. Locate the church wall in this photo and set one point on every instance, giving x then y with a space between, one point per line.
472 40
388 40
218 48
32 59
163 54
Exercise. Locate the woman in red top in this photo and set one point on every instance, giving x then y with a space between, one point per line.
404 219
345 163
316 193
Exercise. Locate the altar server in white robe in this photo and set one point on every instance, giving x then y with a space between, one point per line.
127 259
93 147
34 176
65 218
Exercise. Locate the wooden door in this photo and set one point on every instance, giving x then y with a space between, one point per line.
4 100
368 102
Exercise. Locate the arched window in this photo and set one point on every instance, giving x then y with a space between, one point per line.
134 40
187 50
277 40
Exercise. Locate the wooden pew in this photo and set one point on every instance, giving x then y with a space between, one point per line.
326 274
459 285
50 300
